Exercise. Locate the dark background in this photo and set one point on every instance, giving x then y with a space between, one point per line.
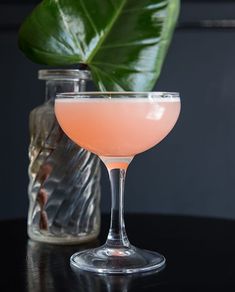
192 171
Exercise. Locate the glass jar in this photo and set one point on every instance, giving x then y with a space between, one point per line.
64 179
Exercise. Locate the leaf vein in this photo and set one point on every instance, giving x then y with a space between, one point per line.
109 28
122 67
64 44
88 16
112 79
63 17
138 43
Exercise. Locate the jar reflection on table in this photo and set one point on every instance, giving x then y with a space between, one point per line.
48 268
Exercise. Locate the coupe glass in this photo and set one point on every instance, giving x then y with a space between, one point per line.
116 126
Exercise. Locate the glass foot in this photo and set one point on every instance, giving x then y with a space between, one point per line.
117 260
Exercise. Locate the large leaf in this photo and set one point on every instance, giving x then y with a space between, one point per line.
124 42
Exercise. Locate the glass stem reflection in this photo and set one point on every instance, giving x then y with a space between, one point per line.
117 234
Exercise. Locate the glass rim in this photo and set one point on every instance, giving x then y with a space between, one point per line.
64 74
158 94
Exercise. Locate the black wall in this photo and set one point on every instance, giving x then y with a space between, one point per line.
193 170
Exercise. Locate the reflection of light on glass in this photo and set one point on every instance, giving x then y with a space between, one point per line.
156 112
111 283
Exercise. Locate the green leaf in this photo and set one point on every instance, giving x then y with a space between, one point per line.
124 42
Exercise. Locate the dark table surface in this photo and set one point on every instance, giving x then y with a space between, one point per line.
200 252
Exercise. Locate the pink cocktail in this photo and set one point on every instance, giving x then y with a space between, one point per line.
116 127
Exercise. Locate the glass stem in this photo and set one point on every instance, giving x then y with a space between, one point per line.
117 234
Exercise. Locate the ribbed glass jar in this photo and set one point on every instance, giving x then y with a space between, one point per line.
64 179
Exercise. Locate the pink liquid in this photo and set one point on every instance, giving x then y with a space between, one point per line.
117 127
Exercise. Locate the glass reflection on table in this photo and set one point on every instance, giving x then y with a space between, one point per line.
48 270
